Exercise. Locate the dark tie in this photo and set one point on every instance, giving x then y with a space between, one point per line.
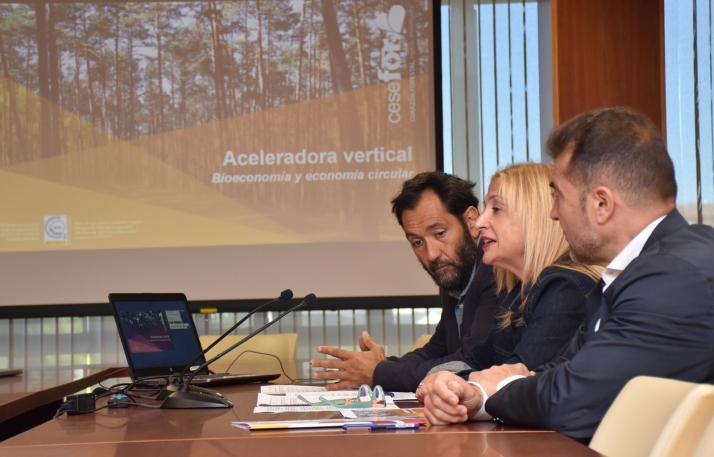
595 306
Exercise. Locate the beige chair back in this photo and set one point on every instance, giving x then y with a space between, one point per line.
421 341
281 345
705 447
655 417
686 428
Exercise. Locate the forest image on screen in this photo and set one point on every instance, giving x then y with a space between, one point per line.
172 124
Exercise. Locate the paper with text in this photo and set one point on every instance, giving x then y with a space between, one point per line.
293 400
303 409
289 388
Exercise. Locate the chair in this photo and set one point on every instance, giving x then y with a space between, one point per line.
281 345
705 448
655 417
421 341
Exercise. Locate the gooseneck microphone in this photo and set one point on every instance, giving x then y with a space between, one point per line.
186 396
287 294
308 300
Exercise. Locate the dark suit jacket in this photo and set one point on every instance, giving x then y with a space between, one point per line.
657 319
403 374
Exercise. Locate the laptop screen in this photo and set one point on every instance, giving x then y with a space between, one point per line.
157 332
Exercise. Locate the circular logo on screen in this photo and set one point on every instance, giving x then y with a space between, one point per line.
55 228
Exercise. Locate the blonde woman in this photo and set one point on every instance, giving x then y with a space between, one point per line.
545 291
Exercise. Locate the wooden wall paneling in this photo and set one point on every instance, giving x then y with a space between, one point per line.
607 53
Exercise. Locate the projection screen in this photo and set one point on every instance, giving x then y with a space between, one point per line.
224 149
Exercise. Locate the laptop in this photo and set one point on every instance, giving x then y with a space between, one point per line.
159 339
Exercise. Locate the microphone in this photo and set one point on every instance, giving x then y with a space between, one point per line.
187 396
308 300
287 294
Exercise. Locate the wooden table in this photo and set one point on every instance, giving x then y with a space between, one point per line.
33 397
140 431
38 391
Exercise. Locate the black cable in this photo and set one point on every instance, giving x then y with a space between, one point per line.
270 355
63 407
146 397
116 389
60 411
63 411
137 384
115 386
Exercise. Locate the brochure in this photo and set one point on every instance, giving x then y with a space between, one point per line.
402 423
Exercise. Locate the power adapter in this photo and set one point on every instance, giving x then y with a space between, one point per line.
78 404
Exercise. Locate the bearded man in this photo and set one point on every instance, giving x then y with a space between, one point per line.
437 212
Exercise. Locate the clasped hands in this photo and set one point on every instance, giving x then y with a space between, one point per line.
449 399
353 368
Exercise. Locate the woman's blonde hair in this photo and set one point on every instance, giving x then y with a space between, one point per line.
525 190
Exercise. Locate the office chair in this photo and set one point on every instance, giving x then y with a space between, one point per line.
421 341
655 417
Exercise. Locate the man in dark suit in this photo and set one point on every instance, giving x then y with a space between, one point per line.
437 212
653 312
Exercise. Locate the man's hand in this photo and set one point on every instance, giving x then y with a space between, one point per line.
424 386
449 399
353 368
490 378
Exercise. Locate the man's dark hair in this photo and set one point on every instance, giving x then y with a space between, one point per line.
456 194
619 146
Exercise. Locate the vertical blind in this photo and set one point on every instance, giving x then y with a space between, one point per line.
93 341
492 114
689 105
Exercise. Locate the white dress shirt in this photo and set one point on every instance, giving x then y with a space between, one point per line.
627 255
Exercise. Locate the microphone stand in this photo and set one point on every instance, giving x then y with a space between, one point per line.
173 386
187 396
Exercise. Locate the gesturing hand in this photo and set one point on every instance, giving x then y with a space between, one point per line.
353 368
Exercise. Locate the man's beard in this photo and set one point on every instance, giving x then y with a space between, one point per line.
458 279
585 247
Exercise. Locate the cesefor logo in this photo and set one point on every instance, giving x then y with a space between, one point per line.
391 60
